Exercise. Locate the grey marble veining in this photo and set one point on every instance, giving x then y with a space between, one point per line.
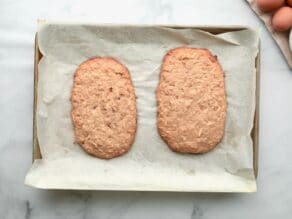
17 29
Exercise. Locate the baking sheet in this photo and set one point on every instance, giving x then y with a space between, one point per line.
150 165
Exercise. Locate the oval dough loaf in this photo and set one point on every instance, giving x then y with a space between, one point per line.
103 108
191 100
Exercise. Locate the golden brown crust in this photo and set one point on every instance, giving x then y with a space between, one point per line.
103 107
191 100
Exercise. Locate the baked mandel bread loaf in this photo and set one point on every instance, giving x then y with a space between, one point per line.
104 111
191 100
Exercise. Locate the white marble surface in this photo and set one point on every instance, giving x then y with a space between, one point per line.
17 29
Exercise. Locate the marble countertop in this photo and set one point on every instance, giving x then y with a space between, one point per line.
17 29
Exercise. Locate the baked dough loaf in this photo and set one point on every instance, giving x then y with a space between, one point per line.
103 108
191 100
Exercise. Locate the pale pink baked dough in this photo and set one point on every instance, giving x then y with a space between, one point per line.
103 108
191 100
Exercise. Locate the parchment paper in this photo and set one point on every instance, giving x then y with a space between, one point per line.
150 164
281 38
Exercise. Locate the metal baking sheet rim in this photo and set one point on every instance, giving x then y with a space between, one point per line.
36 153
